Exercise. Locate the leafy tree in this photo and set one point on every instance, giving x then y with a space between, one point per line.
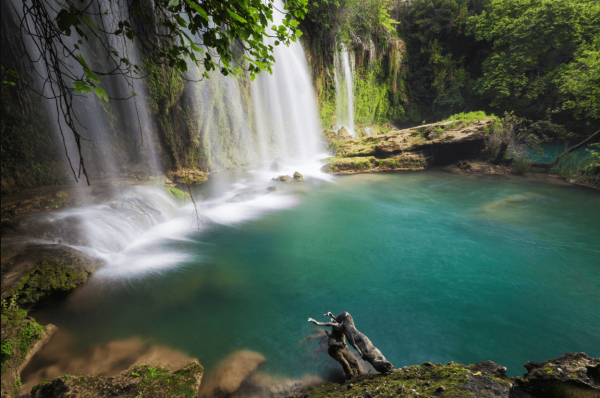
579 82
533 43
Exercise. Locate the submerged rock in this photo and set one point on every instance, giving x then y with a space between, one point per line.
230 375
283 178
298 176
61 356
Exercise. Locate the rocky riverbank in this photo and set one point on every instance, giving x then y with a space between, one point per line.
568 376
438 144
37 261
572 375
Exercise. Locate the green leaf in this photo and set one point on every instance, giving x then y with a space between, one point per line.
198 9
180 20
101 93
82 60
89 23
91 75
173 3
81 87
236 17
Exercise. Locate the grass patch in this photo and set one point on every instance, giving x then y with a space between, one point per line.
470 116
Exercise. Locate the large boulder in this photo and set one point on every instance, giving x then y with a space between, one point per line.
32 269
298 177
569 376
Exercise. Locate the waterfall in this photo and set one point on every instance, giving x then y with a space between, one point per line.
225 122
371 54
344 95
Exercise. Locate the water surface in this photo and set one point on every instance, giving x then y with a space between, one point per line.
432 266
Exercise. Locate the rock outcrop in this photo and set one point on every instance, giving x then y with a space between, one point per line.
568 376
416 148
139 380
185 175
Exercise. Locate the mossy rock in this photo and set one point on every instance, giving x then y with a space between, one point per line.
19 334
349 165
33 270
138 381
177 193
450 380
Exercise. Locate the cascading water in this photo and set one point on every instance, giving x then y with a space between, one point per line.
236 122
344 95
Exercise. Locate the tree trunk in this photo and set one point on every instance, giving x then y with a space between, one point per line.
555 162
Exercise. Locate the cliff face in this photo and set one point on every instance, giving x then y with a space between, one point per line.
416 148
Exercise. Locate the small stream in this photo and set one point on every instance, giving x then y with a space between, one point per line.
433 267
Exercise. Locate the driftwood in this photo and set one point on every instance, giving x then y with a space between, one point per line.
338 350
553 163
344 324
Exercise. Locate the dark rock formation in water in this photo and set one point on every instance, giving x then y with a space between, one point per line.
410 149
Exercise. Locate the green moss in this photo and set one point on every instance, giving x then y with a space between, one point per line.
423 380
153 381
49 276
470 116
177 193
19 334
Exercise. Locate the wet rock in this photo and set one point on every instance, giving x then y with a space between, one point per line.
271 189
32 269
570 375
61 356
185 175
228 378
488 368
282 178
259 385
298 177
464 165
139 380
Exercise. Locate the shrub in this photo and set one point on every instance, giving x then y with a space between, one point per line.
470 116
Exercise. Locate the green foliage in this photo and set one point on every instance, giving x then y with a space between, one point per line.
579 81
194 24
470 116
581 167
534 43
18 335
